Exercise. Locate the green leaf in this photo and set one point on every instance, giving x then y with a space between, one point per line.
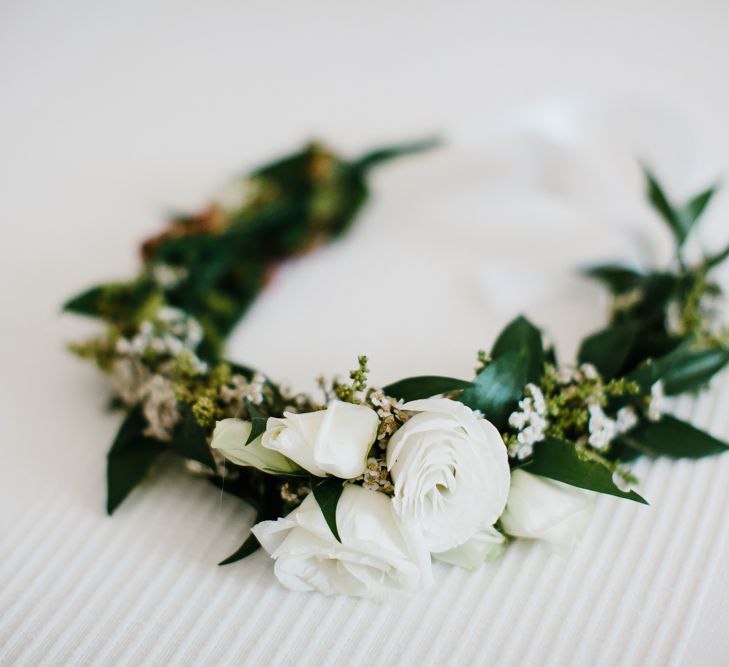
609 349
560 460
665 209
680 220
190 440
682 370
424 386
258 422
376 156
327 493
130 457
248 547
522 337
692 211
118 302
618 279
718 258
498 388
673 437
86 303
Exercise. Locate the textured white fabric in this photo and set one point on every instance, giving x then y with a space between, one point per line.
109 115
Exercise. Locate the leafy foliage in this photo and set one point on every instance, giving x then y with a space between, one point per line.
517 357
680 219
661 311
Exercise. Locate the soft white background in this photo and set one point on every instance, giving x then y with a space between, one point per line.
113 113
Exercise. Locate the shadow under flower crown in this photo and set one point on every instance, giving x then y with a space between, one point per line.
357 489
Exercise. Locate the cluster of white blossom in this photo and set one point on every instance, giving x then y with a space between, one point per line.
160 408
135 384
390 412
603 429
530 421
239 390
376 476
170 333
655 406
569 374
166 276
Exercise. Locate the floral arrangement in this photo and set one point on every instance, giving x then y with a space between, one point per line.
357 489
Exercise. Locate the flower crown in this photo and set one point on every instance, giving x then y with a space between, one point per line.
356 490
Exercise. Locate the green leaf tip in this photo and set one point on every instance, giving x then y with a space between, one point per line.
424 386
258 422
561 461
251 545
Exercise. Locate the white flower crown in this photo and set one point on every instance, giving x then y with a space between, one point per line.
357 489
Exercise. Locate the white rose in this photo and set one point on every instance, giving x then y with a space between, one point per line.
544 509
487 544
230 436
335 441
450 470
377 557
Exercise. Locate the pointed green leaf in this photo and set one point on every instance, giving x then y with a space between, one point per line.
560 460
258 422
682 370
86 303
609 349
618 279
665 209
251 545
692 211
327 493
379 155
424 386
498 388
522 337
130 457
673 437
718 258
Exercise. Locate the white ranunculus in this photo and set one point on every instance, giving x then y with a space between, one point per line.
229 438
450 470
377 557
335 441
485 545
544 509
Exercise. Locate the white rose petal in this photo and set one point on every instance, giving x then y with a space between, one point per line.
230 436
450 470
544 509
485 545
377 557
335 441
